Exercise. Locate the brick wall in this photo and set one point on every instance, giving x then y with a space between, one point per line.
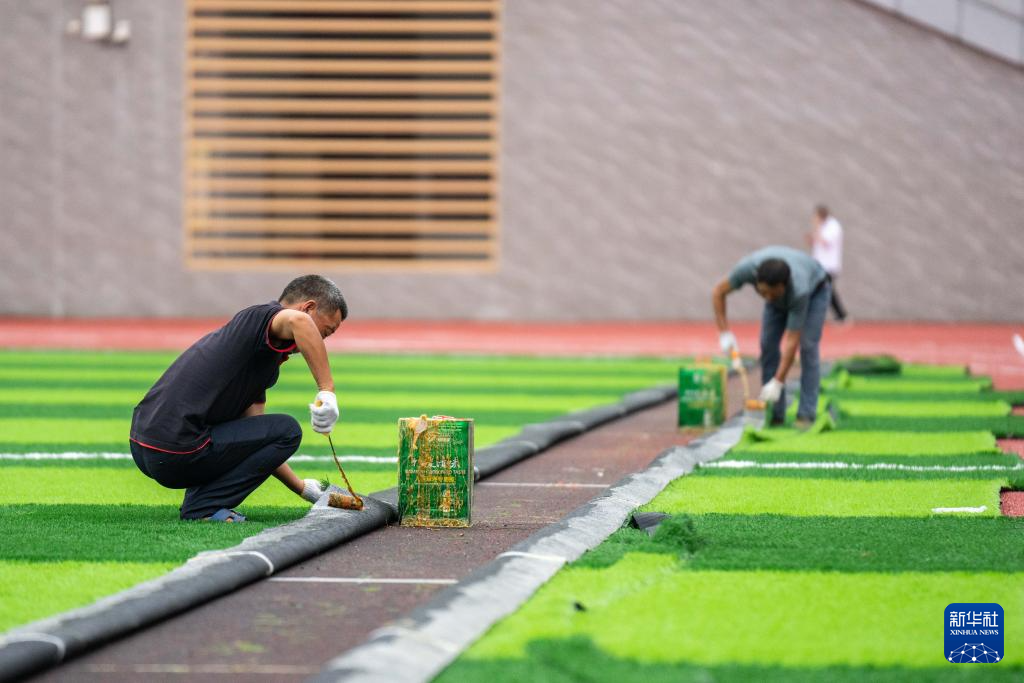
646 146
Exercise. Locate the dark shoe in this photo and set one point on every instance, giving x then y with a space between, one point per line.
225 515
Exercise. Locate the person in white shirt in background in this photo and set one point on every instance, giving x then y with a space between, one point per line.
826 242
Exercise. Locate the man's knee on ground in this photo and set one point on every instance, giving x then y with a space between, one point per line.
288 429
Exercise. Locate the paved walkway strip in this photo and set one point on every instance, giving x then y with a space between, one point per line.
420 645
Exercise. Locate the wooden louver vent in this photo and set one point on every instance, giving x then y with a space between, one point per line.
342 133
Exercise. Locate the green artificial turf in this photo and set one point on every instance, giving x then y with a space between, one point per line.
402 403
832 443
852 468
577 658
134 378
123 532
643 607
126 485
853 407
33 590
922 370
1010 426
353 414
915 459
824 497
822 423
845 544
106 511
1011 397
885 366
341 364
1015 398
100 435
917 386
935 413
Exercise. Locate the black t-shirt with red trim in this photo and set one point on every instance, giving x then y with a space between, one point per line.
215 380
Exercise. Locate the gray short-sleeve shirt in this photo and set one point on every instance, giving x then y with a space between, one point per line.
805 276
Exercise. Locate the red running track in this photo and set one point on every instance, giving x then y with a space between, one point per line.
987 348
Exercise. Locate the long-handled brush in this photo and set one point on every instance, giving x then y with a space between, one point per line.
749 404
340 500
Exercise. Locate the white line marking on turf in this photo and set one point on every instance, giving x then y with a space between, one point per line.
74 455
750 464
345 579
976 510
547 485
65 456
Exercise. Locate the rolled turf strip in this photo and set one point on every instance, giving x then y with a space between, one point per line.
48 642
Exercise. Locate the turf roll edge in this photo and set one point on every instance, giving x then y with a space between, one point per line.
208 575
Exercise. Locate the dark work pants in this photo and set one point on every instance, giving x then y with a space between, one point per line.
241 455
837 304
773 325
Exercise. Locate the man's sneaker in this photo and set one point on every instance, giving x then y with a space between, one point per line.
803 424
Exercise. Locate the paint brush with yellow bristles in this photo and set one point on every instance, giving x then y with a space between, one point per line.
340 500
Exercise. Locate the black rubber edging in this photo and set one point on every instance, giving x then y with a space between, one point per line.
47 643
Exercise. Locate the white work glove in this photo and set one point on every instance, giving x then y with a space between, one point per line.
311 491
324 415
772 391
727 340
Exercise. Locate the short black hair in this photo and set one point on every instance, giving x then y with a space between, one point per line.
773 271
318 288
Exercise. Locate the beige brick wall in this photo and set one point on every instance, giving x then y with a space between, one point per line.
647 145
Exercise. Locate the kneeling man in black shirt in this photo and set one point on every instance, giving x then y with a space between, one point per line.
202 427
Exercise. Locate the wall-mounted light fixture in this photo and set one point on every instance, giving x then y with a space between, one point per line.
98 25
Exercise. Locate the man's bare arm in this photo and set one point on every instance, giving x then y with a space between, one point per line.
286 475
299 326
721 290
255 409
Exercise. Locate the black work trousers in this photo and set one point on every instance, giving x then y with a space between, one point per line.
241 455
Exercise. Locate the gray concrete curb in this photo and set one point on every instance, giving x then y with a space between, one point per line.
419 646
46 643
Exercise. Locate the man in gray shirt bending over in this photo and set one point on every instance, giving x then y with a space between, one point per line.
796 293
